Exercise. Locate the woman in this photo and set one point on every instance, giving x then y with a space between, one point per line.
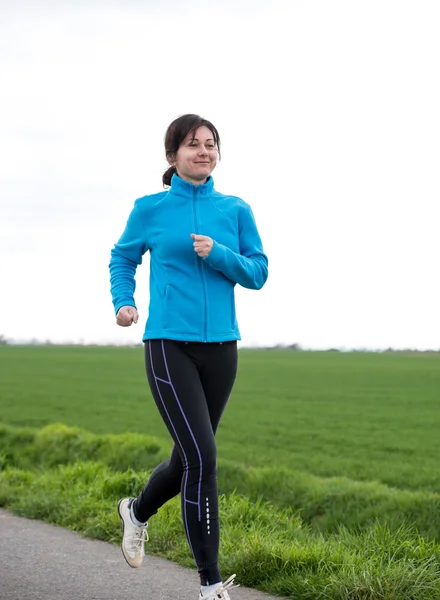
202 243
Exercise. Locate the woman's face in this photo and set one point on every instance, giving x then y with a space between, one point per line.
197 156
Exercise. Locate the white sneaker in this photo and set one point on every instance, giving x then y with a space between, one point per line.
220 593
133 537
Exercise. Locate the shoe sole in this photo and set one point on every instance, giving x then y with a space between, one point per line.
123 531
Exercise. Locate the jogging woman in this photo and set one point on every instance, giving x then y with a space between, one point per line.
201 243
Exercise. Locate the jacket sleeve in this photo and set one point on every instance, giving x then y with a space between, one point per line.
248 268
126 255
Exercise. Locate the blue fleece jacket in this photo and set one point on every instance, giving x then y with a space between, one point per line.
191 298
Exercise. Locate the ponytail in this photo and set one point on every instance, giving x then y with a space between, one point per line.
166 177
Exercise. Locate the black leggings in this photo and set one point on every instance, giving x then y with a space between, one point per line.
191 383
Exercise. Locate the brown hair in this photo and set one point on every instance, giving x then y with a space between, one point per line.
177 132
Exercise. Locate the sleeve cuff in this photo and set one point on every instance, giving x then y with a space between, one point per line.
215 257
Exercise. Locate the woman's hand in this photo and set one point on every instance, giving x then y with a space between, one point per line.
126 316
202 244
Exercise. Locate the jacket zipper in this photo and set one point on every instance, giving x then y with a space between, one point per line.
201 267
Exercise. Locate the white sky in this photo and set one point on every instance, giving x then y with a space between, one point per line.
330 125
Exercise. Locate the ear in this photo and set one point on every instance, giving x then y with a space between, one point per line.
171 158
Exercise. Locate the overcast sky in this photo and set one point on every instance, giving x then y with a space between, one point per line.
330 125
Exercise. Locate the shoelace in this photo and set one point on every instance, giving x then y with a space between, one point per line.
222 591
140 538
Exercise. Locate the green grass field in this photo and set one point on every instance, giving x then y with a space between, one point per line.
328 462
368 417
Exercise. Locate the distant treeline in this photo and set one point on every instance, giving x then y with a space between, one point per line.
4 341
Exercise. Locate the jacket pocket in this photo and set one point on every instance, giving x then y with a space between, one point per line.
181 310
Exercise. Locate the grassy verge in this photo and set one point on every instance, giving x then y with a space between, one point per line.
266 546
323 503
46 475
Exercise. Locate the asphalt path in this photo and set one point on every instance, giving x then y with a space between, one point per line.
44 562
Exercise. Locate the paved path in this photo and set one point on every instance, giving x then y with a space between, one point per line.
44 562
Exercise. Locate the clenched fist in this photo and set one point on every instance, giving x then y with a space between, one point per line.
126 316
202 244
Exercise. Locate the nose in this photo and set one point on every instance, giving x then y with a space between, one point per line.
202 150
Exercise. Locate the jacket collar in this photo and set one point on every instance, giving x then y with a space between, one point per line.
181 187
